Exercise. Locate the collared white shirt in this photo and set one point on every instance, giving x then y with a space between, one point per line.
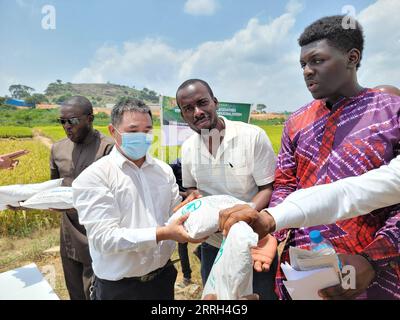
121 206
244 160
339 200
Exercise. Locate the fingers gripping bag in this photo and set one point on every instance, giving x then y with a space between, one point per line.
231 276
204 214
13 194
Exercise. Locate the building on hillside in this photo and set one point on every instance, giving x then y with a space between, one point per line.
18 103
47 106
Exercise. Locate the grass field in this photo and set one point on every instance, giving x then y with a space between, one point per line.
169 154
15 132
274 133
24 235
56 133
33 168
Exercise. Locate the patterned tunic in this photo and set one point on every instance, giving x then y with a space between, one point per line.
321 145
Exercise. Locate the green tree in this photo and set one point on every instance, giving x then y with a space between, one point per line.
102 116
20 91
261 107
36 98
62 98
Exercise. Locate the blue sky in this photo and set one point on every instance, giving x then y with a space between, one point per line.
246 50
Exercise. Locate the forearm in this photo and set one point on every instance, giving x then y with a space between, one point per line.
163 233
285 184
340 200
108 239
262 198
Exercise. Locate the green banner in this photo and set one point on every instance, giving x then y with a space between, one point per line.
171 113
235 111
175 130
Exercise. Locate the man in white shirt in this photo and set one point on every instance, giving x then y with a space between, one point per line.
226 157
339 200
124 201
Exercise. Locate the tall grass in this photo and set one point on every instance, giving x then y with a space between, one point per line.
15 132
33 168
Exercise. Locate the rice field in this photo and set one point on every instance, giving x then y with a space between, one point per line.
167 154
32 168
15 132
56 133
274 133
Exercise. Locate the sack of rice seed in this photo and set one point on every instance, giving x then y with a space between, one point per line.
58 198
231 276
204 214
13 194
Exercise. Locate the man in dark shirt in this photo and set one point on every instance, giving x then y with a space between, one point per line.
69 157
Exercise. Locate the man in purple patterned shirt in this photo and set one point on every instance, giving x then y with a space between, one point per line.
346 131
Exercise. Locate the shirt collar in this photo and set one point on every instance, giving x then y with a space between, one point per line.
230 132
120 159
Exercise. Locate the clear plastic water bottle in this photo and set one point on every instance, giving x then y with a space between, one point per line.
320 244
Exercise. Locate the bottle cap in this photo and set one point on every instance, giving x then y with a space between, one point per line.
315 236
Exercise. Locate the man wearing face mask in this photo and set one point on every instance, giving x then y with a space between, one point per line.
124 201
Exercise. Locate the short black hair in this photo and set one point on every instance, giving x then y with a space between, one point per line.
80 102
331 29
128 104
192 81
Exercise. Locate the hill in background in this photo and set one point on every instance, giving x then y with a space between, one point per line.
100 94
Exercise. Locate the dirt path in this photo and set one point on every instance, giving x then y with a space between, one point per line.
46 141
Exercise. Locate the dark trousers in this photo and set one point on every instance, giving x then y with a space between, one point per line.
159 288
78 278
184 257
263 282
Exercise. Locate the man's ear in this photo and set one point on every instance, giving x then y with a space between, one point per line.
353 58
216 103
111 130
91 118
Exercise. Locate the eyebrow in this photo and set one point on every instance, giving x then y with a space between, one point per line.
312 54
132 126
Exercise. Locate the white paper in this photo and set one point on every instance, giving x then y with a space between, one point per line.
310 272
304 285
25 283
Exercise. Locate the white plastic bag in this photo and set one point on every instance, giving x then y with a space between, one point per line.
231 276
13 194
204 214
58 198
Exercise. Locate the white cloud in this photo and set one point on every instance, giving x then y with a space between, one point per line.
259 63
381 61
201 7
